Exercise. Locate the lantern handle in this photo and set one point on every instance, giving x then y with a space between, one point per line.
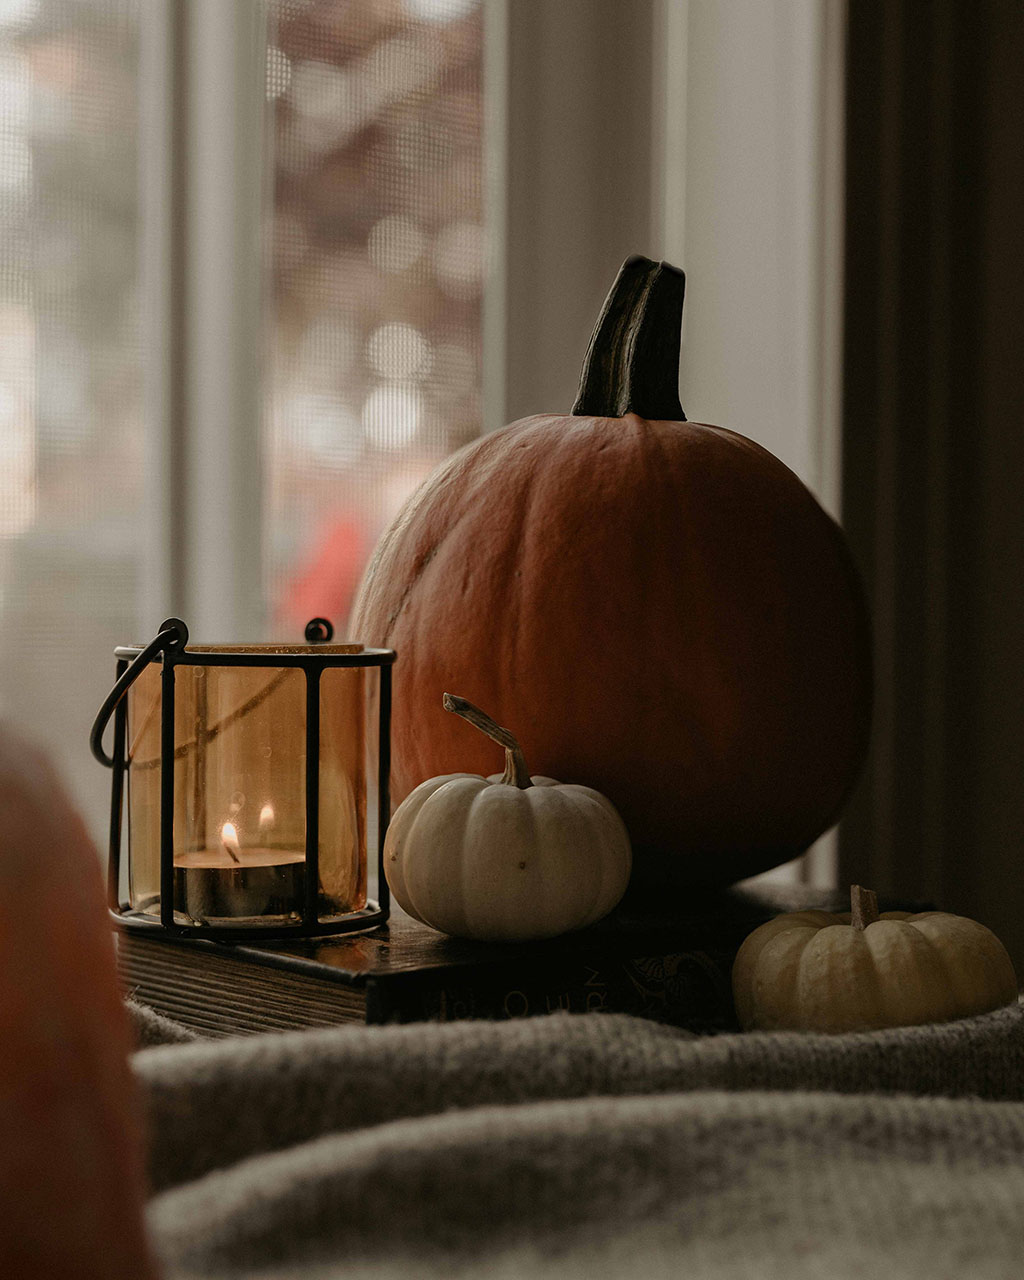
172 634
319 631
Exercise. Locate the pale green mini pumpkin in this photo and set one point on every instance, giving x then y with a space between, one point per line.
815 971
505 858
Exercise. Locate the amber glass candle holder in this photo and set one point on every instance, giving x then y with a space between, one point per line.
254 779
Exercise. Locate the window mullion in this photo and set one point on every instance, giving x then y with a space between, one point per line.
161 220
225 46
570 193
202 119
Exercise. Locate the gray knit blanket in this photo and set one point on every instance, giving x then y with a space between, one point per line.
586 1146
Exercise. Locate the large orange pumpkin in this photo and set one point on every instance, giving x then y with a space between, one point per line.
661 608
71 1162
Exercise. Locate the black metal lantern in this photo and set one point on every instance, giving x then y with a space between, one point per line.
256 780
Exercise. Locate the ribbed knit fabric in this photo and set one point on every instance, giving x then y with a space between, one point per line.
152 1028
590 1146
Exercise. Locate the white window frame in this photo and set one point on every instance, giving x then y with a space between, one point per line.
202 151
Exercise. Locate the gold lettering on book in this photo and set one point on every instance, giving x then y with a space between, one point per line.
595 990
516 1004
451 1008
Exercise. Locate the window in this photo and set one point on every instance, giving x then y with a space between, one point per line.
265 261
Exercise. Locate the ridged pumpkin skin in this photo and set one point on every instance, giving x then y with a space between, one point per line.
660 607
71 1170
813 971
479 858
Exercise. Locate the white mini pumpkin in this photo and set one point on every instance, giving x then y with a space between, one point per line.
505 858
814 971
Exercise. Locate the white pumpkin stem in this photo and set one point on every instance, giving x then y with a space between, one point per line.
516 773
863 906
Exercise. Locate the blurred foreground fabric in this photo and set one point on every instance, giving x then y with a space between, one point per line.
586 1146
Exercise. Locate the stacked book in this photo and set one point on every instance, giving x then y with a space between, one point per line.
674 969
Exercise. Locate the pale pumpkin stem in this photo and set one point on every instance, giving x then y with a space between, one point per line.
863 906
516 773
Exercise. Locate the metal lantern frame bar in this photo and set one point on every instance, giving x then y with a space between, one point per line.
170 646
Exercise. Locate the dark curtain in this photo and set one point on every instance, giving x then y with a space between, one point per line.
933 450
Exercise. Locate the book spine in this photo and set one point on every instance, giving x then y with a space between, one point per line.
688 989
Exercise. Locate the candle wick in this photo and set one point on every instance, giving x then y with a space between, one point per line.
231 853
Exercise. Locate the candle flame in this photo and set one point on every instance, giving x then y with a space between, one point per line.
267 815
229 839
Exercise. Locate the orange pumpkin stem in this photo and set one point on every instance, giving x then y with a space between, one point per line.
632 363
516 773
863 906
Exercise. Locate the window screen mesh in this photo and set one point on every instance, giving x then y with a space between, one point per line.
70 371
374 264
378 261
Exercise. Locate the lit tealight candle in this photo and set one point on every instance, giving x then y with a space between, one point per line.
232 883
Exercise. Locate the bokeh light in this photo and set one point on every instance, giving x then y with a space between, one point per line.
379 264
